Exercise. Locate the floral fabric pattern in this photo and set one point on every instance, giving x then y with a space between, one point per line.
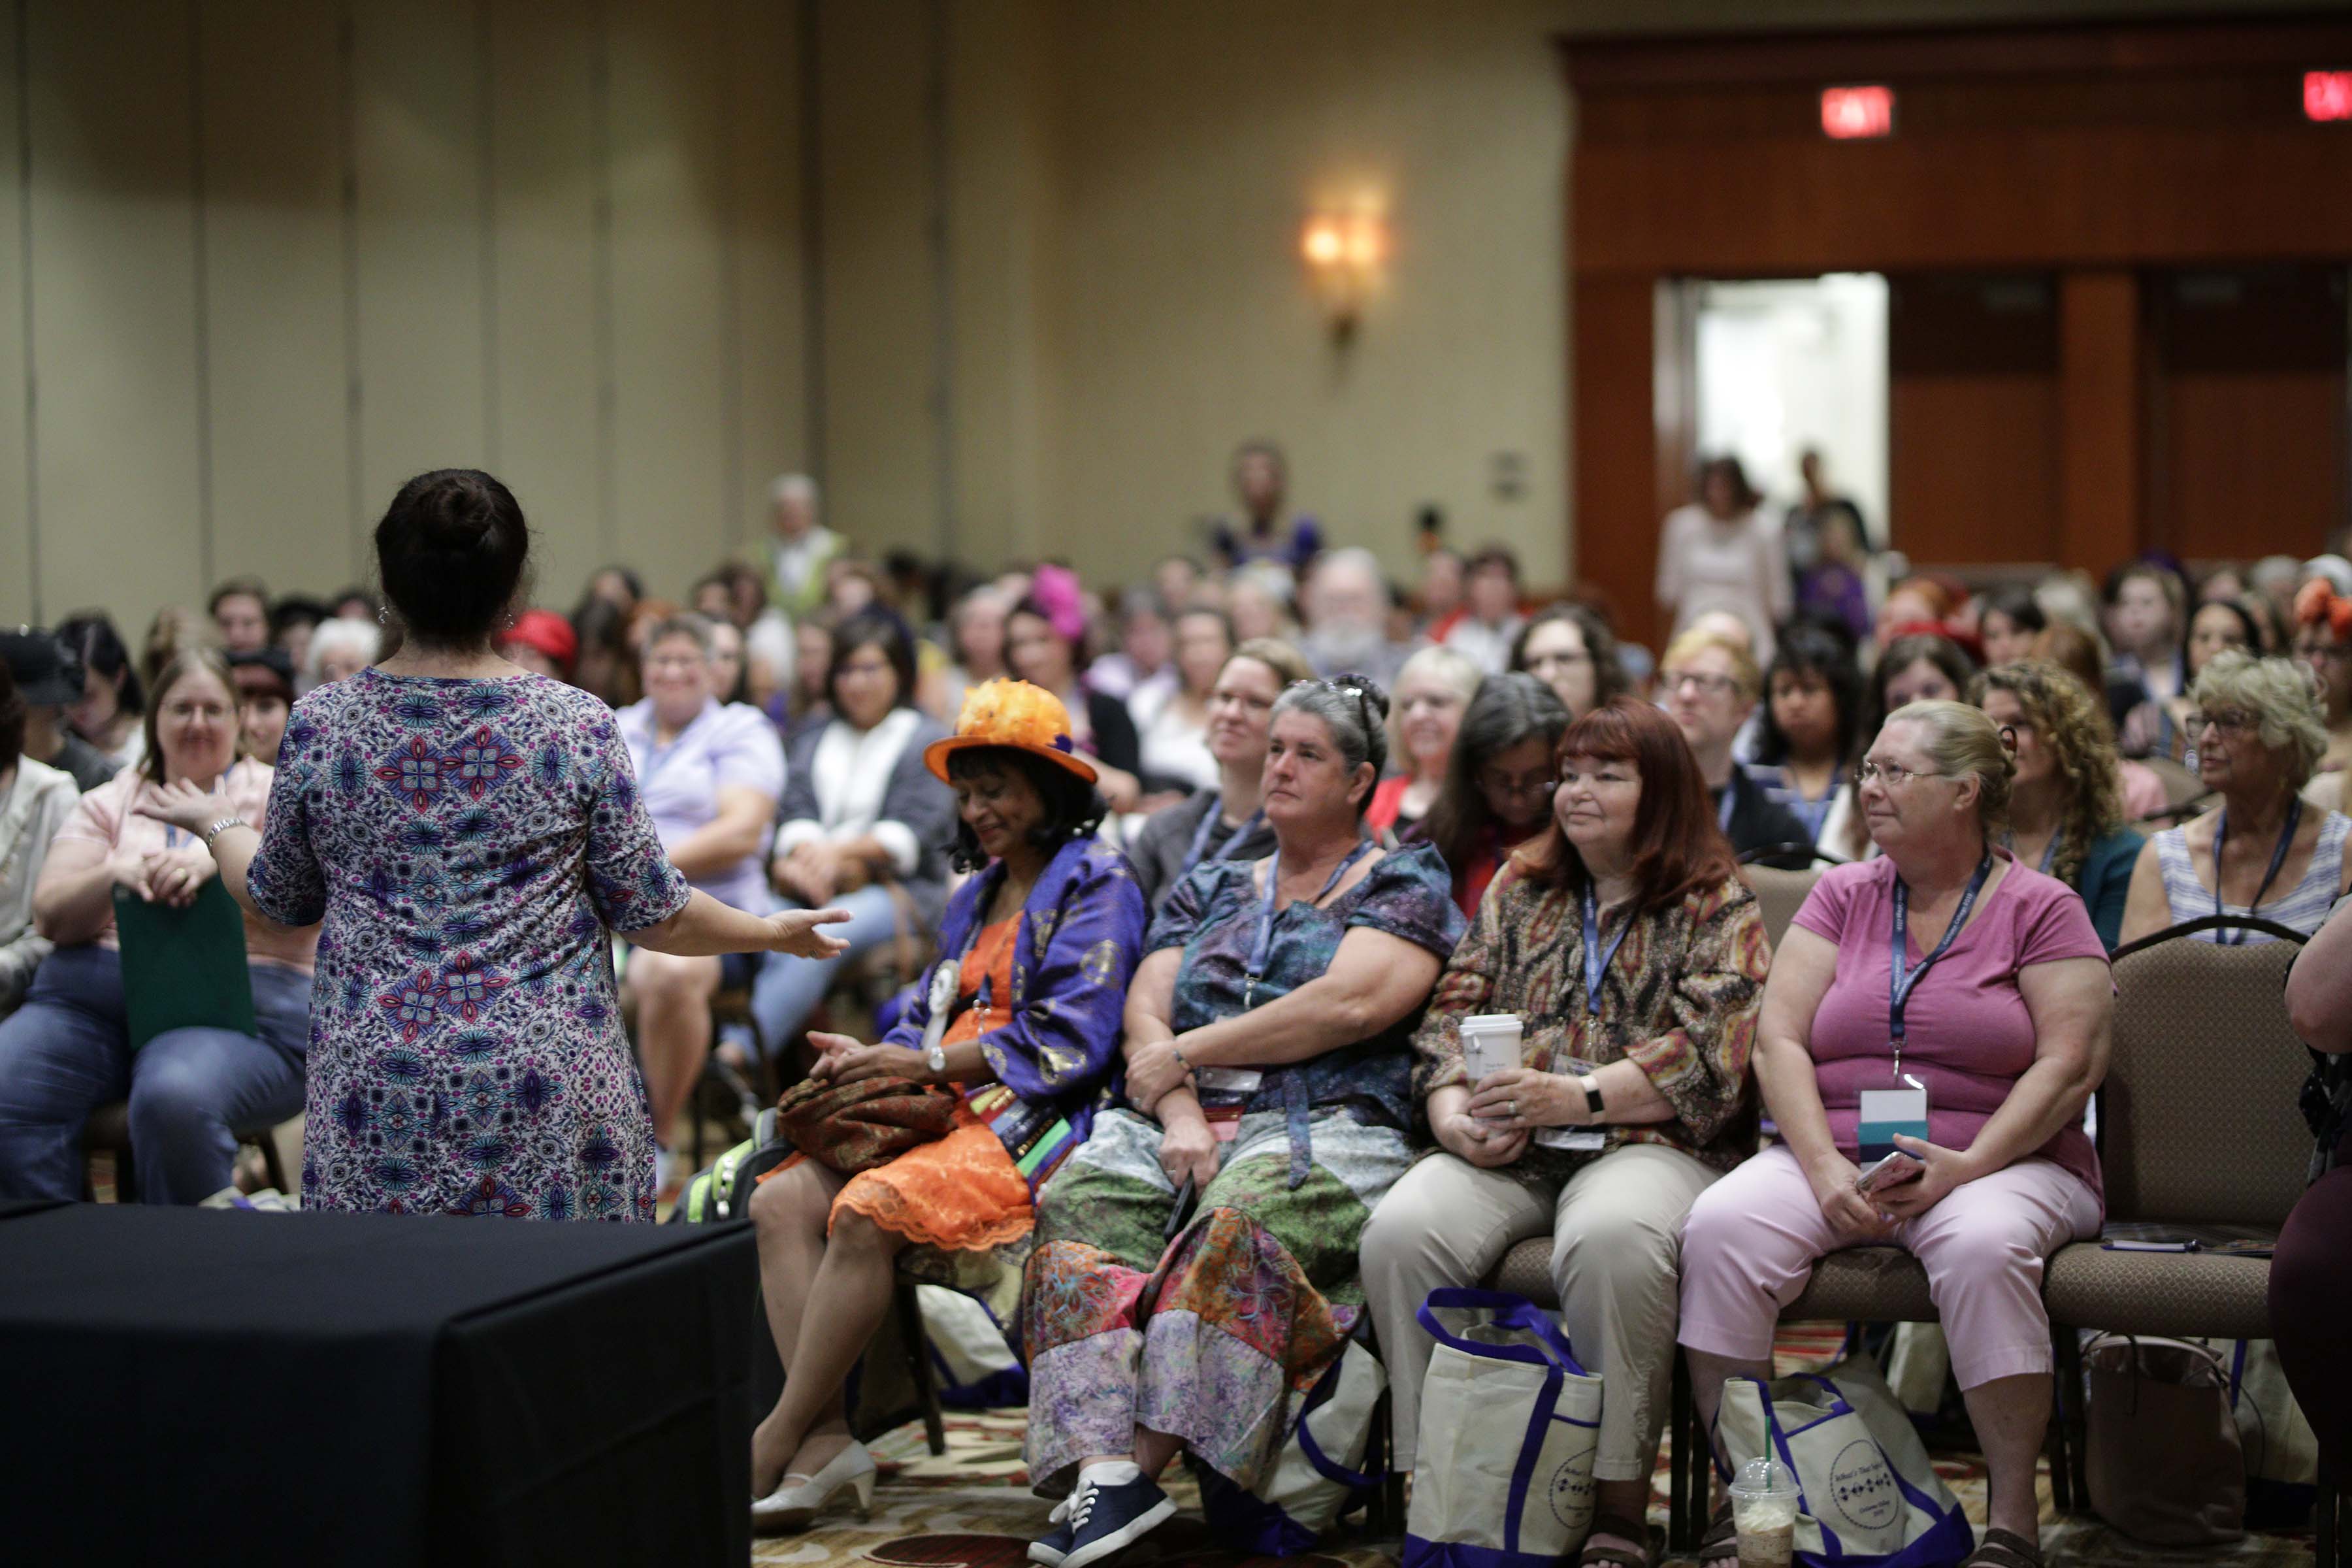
1679 1001
1217 1337
468 845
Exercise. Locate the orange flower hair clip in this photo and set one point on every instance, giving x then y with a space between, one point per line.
2318 604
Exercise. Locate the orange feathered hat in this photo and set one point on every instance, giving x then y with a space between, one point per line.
1010 713
2318 604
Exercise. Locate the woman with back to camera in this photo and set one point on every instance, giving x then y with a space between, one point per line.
471 835
1570 648
2263 851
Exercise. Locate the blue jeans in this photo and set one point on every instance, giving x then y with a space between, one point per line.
789 989
68 1051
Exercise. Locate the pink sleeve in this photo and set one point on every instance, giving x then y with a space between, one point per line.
2055 925
93 820
1830 903
2143 791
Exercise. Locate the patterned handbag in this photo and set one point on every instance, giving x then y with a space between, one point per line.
853 1126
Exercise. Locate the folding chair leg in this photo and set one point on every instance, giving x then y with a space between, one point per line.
2061 1398
919 1366
2078 1417
1678 1426
2327 1517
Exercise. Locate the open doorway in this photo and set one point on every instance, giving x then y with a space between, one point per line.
1783 366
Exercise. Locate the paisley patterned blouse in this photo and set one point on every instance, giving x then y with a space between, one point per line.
1679 1001
467 843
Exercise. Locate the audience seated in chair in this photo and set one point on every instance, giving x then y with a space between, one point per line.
35 800
2008 1033
67 1050
1631 1099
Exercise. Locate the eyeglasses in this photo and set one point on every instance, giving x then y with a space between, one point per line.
1509 788
1708 685
2229 720
1893 775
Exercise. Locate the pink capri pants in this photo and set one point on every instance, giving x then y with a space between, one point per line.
1750 1243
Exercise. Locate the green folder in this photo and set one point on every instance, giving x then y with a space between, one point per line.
184 969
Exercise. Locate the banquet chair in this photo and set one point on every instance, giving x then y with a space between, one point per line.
108 1131
2171 1101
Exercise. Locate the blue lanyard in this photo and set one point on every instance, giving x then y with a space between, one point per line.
2231 936
172 832
1198 852
1597 959
1264 948
1900 983
2049 850
1723 808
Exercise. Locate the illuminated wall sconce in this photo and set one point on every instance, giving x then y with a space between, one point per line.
1344 253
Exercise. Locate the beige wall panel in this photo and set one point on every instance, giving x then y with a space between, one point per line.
115 327
1185 323
1000 214
418 123
543 131
670 305
17 553
277 379
881 454
769 327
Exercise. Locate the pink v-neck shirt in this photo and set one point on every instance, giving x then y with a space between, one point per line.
1968 1035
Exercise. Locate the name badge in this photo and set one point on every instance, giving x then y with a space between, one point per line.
1578 1140
1228 1081
1887 1111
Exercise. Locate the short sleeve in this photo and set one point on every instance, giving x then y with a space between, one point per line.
750 755
285 879
1829 905
1410 895
1182 917
95 819
630 879
2057 925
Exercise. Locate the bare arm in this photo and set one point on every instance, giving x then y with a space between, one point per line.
1375 979
705 928
1802 967
2146 908
734 835
2319 987
75 896
2072 1002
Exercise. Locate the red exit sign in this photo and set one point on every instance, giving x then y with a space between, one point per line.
2327 96
1857 113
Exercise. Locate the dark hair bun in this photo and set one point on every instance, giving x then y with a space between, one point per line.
1374 698
452 549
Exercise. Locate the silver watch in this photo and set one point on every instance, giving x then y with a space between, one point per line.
936 1061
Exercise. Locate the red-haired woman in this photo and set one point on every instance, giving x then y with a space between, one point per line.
2323 639
1635 958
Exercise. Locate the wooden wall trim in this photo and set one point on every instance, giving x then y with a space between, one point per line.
2101 372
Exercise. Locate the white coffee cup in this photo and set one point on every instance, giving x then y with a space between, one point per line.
1490 1044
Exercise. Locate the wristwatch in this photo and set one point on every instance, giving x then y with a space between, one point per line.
1593 1104
936 1061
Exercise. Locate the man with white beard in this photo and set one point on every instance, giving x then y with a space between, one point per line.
1347 605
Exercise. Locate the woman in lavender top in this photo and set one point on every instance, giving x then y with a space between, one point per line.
711 773
469 834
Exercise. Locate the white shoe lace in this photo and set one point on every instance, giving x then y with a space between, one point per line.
1081 1503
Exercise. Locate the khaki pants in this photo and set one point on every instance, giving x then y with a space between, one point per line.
1616 1226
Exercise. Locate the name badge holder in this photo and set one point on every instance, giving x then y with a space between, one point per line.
1903 1109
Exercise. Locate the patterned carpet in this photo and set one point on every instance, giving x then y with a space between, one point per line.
972 1508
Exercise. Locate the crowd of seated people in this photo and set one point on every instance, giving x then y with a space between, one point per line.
1218 863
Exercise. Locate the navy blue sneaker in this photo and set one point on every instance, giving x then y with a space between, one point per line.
1050 1547
1107 1519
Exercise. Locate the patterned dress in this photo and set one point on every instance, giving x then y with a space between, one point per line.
1215 1337
468 844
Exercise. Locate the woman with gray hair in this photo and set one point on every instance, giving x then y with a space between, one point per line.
1269 1074
2262 852
1949 968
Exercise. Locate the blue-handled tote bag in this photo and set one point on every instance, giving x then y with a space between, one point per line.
1319 1473
1870 1499
1509 1424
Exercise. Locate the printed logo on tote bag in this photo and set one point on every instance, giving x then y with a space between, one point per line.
1570 1493
1861 1488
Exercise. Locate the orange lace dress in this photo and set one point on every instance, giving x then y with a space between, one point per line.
963 1193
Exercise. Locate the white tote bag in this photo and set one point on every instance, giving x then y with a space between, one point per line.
1509 1424
1317 1475
1868 1496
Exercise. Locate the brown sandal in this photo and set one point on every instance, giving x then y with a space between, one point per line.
1721 1542
1620 1556
2005 1548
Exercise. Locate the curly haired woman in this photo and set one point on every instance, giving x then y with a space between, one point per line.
2065 803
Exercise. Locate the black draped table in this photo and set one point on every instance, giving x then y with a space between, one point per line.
182 1385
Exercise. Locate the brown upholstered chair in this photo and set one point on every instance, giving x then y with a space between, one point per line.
1779 894
108 1130
2198 1127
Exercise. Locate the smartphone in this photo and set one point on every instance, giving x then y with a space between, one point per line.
1893 1170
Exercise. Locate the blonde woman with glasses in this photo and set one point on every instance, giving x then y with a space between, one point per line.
2263 852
